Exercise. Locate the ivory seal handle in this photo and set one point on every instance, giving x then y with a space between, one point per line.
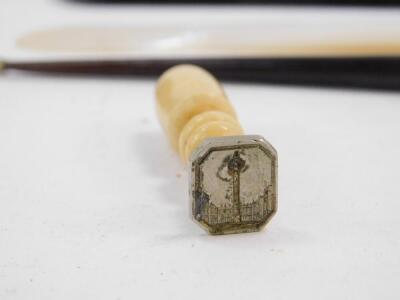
192 106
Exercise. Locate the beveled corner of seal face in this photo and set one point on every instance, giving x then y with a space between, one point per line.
233 186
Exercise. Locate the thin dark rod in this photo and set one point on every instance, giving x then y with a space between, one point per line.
364 72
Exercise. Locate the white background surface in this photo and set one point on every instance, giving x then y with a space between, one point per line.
93 203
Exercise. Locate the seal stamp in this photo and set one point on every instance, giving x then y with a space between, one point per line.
233 176
233 185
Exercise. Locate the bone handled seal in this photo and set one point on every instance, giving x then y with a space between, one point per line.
233 180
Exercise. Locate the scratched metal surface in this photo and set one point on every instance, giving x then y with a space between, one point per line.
234 184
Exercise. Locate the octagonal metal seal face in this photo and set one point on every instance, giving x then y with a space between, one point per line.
233 186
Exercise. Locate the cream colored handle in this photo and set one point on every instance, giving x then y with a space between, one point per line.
192 106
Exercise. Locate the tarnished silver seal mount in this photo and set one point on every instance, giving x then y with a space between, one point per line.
233 186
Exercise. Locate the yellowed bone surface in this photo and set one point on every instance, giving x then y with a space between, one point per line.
192 106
